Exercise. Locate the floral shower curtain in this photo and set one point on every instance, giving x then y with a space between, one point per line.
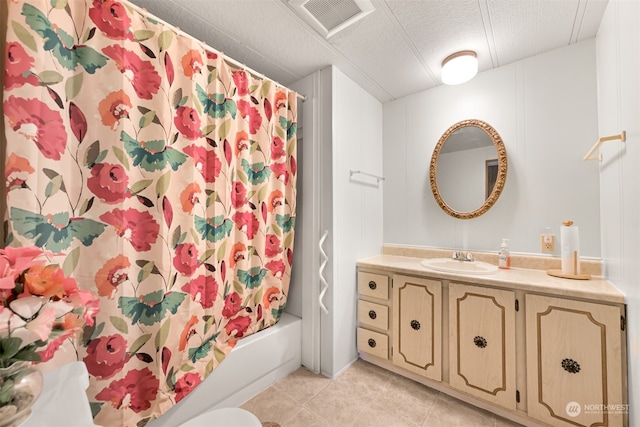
163 179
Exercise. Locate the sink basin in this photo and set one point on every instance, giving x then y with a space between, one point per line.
448 265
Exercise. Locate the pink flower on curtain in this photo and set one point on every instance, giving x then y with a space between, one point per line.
189 197
277 148
241 80
139 228
16 171
106 356
112 274
276 198
142 74
186 258
238 194
241 142
35 121
205 161
270 295
251 114
113 108
237 253
238 326
192 63
232 303
135 391
17 64
187 332
111 18
280 171
187 121
247 222
203 289
276 267
272 246
109 182
186 384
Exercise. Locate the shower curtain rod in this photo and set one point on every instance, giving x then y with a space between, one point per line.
238 64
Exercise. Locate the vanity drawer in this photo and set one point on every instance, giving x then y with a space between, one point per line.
373 285
372 314
373 343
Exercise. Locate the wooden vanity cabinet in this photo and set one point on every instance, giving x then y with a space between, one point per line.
373 314
417 325
482 346
574 362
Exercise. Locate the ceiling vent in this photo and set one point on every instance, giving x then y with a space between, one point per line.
328 17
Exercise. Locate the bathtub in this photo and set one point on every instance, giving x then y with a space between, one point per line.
239 378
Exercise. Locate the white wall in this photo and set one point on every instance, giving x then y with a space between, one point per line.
545 110
618 67
357 206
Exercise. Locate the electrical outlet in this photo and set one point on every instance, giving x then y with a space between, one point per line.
547 243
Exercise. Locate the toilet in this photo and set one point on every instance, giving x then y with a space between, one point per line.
225 417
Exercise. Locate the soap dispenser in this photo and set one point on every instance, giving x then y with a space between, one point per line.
504 257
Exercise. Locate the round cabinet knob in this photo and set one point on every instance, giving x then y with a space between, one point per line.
480 341
371 342
372 315
373 285
570 366
415 325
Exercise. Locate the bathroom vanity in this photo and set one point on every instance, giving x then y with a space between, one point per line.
536 349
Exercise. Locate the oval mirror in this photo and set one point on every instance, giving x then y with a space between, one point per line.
468 169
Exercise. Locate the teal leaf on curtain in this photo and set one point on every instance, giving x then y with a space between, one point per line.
150 308
55 232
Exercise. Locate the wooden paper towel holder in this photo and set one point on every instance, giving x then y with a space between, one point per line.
574 276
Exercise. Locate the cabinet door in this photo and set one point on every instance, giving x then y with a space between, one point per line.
574 362
417 325
482 343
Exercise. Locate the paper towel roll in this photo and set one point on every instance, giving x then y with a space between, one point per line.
569 248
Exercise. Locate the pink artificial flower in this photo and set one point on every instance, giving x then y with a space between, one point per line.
89 301
15 261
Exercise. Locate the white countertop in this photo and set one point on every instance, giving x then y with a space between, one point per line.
597 288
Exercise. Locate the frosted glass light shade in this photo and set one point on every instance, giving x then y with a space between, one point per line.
459 67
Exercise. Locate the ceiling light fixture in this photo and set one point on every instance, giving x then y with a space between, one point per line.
459 67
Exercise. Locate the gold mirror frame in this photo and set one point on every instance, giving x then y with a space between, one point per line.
502 169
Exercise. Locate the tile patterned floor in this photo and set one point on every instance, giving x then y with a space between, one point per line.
364 395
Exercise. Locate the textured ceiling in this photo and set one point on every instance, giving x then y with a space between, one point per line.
392 52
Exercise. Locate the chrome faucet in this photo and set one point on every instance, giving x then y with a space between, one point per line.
461 256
